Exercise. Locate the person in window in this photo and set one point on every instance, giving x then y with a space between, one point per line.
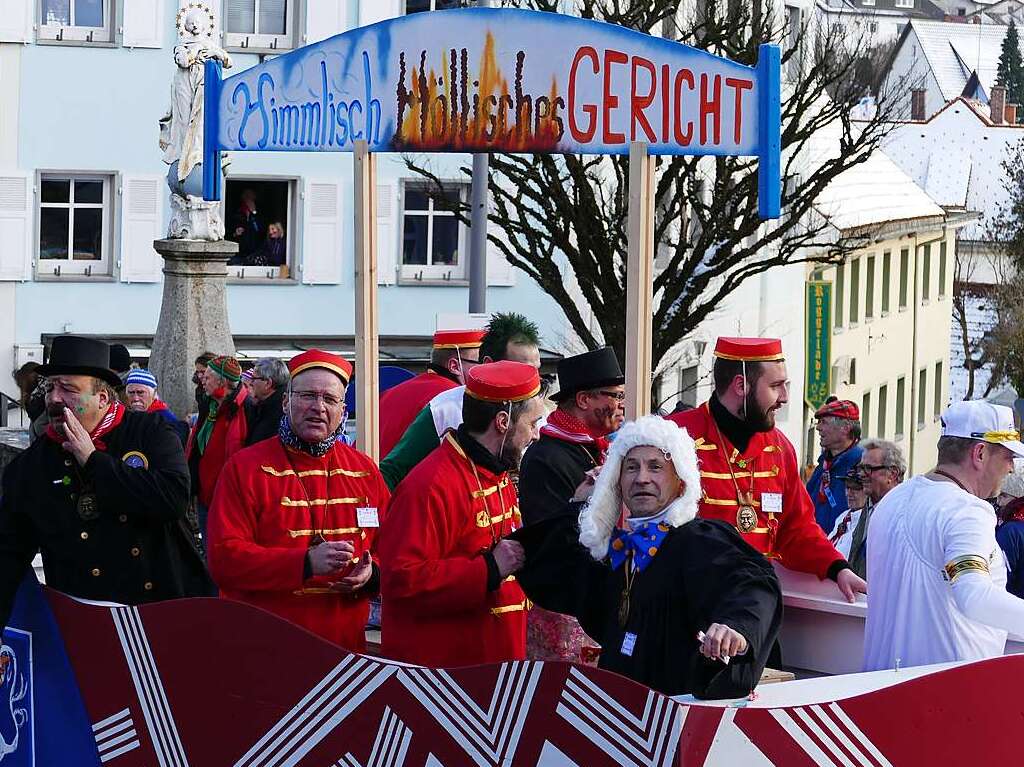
248 229
272 252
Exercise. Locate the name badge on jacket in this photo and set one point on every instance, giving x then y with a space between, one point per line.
367 517
771 503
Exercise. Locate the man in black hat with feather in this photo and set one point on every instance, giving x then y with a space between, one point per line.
102 494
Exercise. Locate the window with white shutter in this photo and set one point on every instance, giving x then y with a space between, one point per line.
259 214
74 225
15 228
143 24
325 18
321 241
435 244
76 21
387 232
260 26
141 223
16 21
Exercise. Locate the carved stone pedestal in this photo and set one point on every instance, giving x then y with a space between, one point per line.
193 315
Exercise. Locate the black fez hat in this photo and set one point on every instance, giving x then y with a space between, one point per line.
589 370
75 355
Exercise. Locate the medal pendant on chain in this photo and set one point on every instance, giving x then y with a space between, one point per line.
746 519
624 608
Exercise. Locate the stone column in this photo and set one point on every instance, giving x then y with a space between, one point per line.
193 315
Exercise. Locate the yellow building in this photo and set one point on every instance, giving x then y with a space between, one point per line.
891 318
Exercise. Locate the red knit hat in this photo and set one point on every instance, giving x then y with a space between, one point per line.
504 381
459 339
839 408
318 358
749 349
226 367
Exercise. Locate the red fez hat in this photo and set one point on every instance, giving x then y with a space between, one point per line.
504 381
459 339
749 349
318 358
839 408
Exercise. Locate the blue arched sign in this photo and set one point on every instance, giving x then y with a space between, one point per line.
499 80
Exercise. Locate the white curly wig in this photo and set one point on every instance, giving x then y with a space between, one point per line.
600 515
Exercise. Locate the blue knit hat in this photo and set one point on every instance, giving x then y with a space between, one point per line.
142 377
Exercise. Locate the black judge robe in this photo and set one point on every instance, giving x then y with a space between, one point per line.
703 573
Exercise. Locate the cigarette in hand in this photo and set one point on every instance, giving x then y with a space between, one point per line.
701 636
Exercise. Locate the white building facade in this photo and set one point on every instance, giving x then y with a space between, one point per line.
83 193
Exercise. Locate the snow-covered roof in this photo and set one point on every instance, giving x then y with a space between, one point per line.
956 156
873 192
954 50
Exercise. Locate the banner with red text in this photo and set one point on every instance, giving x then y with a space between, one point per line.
496 80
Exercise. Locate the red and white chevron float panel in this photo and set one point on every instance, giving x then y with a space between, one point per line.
211 683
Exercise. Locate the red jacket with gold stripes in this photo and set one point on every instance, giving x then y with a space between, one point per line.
782 524
400 404
436 608
270 502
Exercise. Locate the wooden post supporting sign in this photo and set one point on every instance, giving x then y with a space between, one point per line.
367 374
639 281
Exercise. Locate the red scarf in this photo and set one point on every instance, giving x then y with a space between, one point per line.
110 421
569 428
158 405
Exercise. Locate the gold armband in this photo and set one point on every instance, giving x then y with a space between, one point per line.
965 564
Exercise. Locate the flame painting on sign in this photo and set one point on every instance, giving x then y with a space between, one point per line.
443 110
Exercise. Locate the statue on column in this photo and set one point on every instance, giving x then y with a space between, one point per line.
181 129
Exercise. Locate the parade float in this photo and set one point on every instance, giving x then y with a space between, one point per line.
212 683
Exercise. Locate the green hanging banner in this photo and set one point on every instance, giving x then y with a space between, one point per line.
817 380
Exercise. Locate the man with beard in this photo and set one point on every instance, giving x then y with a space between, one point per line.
294 519
447 596
572 443
102 495
454 352
749 470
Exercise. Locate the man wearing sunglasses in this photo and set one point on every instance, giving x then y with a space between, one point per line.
938 577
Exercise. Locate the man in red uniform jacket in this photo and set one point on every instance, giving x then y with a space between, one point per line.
448 598
294 518
455 352
749 473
